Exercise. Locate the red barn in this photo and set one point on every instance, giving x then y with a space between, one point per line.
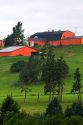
17 51
55 38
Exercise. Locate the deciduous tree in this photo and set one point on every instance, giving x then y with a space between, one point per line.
61 73
16 37
48 73
31 73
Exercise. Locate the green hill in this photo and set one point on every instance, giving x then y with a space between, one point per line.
74 58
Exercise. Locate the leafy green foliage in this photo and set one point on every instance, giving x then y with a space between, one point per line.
18 31
20 118
61 73
62 68
53 120
54 72
16 37
73 120
30 73
25 89
9 40
17 66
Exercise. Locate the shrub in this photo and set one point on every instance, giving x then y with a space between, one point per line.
54 108
75 109
17 67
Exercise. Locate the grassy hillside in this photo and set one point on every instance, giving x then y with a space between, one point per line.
74 57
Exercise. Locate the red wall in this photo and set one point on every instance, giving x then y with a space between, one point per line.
68 42
71 42
62 42
56 43
40 43
25 51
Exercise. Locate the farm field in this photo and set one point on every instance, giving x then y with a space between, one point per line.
74 58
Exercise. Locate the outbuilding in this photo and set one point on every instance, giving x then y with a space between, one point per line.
18 51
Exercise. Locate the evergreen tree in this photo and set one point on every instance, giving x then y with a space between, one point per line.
77 83
9 105
54 108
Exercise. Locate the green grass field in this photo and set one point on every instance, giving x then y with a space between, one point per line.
74 58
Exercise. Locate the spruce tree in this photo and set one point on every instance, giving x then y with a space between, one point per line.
77 83
54 108
8 105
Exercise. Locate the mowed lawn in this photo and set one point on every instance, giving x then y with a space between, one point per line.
74 58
